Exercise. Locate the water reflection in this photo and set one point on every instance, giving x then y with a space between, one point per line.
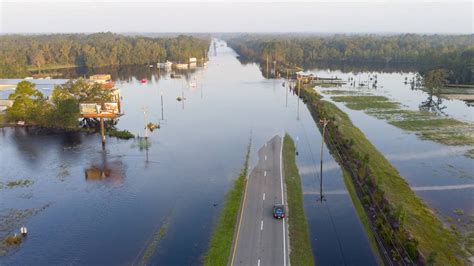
433 105
123 73
106 171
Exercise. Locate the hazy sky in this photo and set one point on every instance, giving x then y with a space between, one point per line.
416 16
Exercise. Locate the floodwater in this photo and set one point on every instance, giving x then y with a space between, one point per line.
440 174
103 206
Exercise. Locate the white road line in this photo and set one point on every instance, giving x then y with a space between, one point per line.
261 225
282 202
263 195
264 173
258 262
265 157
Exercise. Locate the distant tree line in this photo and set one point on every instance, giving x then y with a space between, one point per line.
19 53
451 52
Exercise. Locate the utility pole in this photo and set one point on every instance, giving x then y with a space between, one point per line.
267 66
162 112
324 122
274 69
145 111
298 103
288 82
297 139
102 131
182 94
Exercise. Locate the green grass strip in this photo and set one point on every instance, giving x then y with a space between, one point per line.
418 125
366 102
221 240
359 99
300 246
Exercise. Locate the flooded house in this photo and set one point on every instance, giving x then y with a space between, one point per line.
166 65
181 66
192 62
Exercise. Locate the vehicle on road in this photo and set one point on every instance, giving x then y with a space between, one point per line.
279 211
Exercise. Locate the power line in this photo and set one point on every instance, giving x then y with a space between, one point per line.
325 204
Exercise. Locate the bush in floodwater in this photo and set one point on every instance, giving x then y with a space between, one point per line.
121 134
13 240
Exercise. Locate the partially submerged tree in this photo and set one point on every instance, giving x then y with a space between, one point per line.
27 101
61 110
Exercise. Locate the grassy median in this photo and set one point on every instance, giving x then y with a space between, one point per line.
300 246
221 240
433 238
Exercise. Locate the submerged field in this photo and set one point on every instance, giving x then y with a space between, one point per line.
433 238
427 125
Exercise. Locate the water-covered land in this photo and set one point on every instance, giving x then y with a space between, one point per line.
76 197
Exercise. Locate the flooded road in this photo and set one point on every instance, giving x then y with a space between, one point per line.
103 207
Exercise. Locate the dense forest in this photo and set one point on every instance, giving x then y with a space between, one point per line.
20 53
451 52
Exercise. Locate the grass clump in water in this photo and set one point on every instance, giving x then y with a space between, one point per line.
469 153
300 246
422 124
366 102
10 221
342 92
221 240
12 240
458 211
121 134
359 99
17 183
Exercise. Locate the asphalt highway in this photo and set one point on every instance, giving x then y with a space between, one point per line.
261 239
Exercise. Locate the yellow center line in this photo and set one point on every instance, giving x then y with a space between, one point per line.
240 222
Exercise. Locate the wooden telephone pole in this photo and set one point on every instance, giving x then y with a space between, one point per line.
102 131
267 66
288 84
298 103
274 68
162 112
324 122
145 114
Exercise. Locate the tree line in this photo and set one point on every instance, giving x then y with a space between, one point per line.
451 52
19 53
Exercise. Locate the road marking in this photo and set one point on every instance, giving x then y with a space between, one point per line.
261 225
282 202
263 195
258 262
240 222
265 157
264 173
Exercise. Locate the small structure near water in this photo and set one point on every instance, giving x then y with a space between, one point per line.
102 110
23 230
